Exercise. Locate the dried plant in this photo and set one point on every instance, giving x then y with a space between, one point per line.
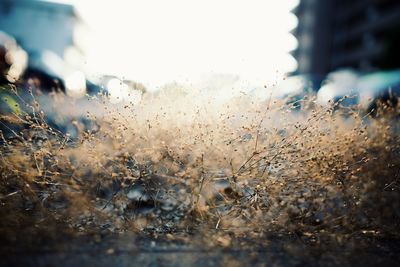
182 160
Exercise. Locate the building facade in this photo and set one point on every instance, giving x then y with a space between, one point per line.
336 34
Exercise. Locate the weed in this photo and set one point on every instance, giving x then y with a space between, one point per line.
183 160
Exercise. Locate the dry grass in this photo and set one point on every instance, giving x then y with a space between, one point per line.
182 160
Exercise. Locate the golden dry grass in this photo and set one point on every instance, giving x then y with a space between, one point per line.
183 160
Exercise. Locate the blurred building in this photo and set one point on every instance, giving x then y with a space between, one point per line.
336 34
55 39
41 26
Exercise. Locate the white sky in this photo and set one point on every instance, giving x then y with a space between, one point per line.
156 42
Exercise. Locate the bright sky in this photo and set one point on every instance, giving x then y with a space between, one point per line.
156 42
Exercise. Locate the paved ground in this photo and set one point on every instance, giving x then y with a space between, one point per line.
130 250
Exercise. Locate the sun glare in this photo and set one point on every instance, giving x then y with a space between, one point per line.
157 42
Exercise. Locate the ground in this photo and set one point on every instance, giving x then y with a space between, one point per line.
128 249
